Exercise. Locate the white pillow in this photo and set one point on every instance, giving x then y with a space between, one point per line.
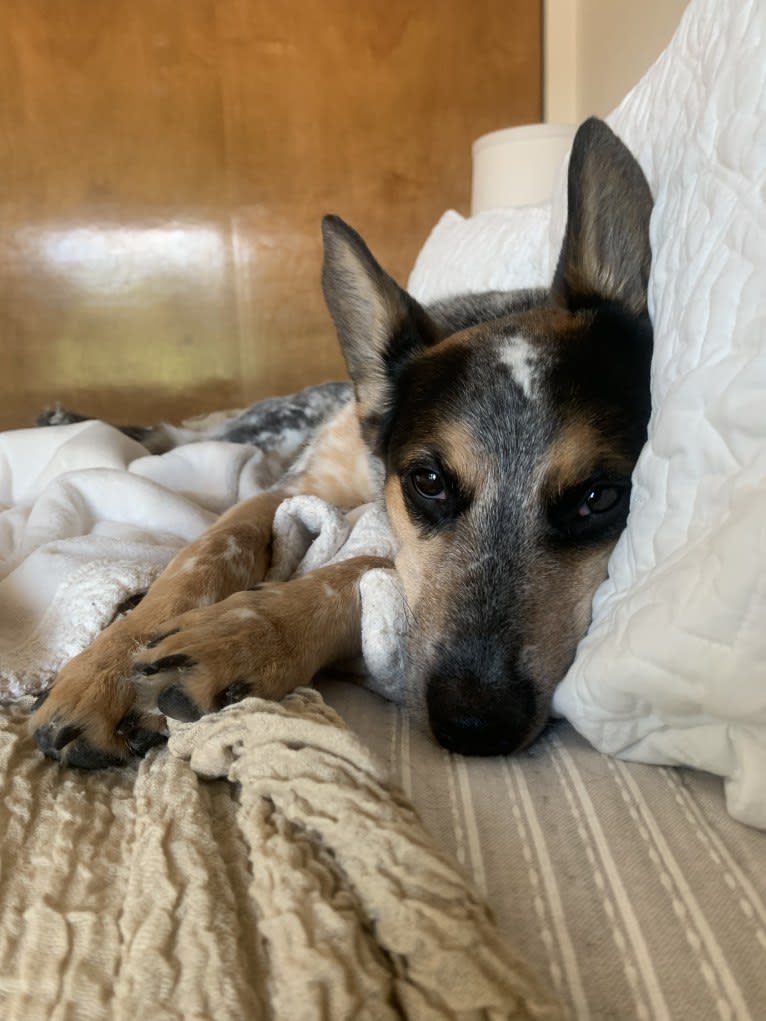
512 250
673 668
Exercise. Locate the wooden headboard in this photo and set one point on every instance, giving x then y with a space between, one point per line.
164 167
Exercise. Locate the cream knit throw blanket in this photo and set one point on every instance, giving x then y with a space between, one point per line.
261 867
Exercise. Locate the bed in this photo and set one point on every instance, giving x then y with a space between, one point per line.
323 857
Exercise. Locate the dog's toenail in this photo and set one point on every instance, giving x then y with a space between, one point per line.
235 693
84 756
65 736
141 740
40 700
177 662
44 738
155 640
129 604
176 704
128 723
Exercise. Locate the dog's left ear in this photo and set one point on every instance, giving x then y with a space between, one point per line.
380 326
606 253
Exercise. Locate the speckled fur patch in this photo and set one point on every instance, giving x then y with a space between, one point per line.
281 426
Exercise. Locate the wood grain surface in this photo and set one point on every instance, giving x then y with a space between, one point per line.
164 167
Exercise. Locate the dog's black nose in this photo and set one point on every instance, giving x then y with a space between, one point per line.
475 715
473 735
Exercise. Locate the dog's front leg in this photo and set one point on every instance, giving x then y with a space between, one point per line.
88 718
264 642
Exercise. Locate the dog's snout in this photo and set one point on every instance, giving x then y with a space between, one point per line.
483 709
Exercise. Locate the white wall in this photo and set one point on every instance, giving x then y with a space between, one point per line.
596 50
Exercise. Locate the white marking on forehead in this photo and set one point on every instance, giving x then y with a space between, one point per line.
521 358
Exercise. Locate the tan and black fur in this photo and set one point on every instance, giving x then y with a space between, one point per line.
500 429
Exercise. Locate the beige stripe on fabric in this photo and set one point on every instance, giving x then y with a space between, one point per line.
545 869
715 969
458 829
535 883
630 940
406 753
473 837
752 906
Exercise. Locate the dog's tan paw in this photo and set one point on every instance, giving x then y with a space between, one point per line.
89 721
214 656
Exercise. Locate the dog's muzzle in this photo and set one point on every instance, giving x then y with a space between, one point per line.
477 704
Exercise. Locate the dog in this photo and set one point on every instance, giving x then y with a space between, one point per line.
500 429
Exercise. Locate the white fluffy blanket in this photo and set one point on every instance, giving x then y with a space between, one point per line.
88 520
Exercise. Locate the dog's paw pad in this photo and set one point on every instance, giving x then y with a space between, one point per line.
176 704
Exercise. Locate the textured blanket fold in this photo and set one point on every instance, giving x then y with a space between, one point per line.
303 889
354 901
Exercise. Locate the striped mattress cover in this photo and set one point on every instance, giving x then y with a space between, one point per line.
627 887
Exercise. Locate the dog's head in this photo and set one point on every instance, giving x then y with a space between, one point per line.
509 426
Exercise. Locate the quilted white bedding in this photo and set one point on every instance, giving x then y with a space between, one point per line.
673 669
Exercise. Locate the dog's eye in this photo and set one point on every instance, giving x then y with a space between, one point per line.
594 511
433 495
428 483
600 499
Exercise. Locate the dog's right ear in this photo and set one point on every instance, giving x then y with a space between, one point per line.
606 253
380 326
